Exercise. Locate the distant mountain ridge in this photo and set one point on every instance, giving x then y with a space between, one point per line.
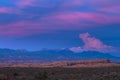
9 55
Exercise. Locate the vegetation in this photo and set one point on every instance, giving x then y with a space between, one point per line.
103 73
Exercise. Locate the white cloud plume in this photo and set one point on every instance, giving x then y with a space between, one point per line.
77 49
92 44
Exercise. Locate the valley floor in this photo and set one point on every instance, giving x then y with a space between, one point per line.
57 73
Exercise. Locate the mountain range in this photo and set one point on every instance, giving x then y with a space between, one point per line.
10 55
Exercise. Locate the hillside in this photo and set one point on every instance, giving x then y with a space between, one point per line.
9 56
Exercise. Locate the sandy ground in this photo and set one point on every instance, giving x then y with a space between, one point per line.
66 64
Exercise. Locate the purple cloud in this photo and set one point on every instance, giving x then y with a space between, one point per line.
80 18
4 10
7 10
103 12
24 3
24 28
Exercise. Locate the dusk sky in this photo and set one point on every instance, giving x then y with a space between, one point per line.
55 24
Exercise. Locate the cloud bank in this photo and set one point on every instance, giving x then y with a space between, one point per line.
92 44
52 15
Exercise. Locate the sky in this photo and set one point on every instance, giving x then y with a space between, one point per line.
57 24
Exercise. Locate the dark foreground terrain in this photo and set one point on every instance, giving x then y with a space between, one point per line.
103 73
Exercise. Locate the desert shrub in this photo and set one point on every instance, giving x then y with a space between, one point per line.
42 76
3 77
6 77
15 74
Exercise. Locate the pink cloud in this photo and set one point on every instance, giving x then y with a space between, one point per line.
24 3
5 10
112 9
109 6
63 21
71 3
81 18
92 44
31 3
24 28
10 10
